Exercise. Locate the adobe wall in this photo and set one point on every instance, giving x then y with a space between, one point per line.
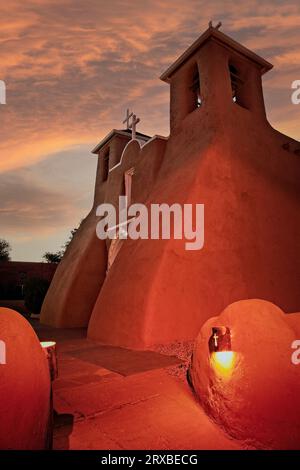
75 287
255 401
25 386
157 291
15 271
14 274
80 274
224 156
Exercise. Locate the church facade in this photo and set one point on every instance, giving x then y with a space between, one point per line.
223 153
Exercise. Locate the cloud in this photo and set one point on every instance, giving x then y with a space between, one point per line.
72 67
30 208
41 203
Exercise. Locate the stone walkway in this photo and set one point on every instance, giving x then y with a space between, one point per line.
113 398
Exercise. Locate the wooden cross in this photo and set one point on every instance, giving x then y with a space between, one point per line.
131 125
216 337
127 119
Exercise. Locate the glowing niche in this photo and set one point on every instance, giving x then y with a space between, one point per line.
221 355
223 362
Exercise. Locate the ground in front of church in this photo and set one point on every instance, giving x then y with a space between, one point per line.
113 398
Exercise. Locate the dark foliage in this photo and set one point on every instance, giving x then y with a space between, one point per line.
34 294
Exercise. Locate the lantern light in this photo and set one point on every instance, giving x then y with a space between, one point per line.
49 348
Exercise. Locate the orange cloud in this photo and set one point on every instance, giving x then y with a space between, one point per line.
32 208
71 68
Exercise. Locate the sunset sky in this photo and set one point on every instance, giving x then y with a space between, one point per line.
72 67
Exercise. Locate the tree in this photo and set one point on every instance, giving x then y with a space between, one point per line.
73 231
5 248
53 257
57 257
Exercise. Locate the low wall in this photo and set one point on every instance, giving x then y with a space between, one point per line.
14 274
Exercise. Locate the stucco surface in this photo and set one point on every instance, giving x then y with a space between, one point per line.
223 155
156 291
24 386
257 398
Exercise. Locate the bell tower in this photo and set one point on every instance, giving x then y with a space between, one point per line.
215 73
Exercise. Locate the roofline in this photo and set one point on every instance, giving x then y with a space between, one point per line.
215 34
113 132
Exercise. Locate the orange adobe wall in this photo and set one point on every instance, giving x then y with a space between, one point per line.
81 273
223 154
25 386
254 393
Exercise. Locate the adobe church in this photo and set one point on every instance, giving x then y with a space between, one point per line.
223 153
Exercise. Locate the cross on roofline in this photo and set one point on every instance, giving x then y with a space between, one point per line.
127 119
218 26
131 125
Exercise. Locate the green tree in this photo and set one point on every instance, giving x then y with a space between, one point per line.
73 231
57 257
5 248
53 257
